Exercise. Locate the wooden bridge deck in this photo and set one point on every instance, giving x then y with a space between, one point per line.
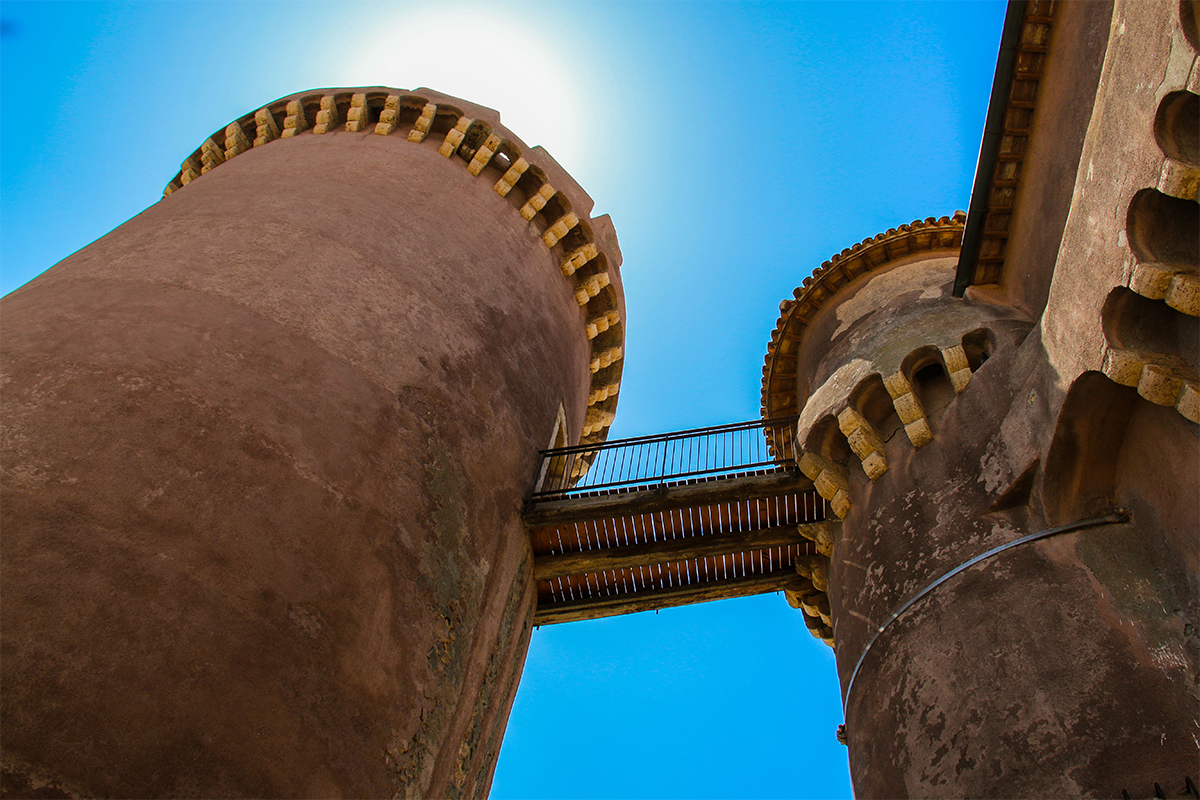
625 550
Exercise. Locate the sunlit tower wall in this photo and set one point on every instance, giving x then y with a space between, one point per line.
1013 594
265 450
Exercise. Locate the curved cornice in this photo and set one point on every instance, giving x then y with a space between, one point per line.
523 177
779 393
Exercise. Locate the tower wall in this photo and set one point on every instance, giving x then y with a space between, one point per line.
1058 397
266 446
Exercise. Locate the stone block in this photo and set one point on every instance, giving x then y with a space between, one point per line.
577 258
908 408
559 229
841 503
828 483
537 201
1151 280
875 465
327 116
295 121
266 127
484 154
1188 403
960 379
236 141
955 359
919 433
189 170
1183 295
606 359
601 322
1161 383
600 394
1122 366
812 464
815 568
509 179
590 287
359 115
423 124
212 155
897 385
1178 179
455 136
389 118
864 442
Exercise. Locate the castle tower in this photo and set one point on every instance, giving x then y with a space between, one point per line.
1013 594
266 446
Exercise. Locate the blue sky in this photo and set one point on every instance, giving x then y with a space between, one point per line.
736 146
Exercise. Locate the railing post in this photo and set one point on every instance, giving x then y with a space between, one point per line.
662 472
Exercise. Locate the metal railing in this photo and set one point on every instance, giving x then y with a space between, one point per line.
647 461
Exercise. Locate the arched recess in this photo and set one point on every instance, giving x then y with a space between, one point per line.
1177 126
1164 229
926 373
1189 19
1134 322
979 345
871 399
1114 449
1081 468
825 438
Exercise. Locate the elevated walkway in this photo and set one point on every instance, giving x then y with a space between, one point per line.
671 519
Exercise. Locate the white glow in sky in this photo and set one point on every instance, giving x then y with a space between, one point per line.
507 60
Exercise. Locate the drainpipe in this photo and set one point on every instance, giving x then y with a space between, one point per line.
993 129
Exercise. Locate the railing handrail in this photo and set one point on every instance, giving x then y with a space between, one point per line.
773 422
641 461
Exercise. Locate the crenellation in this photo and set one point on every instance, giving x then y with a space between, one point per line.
483 155
328 117
559 229
537 202
296 120
359 115
212 155
455 136
590 287
423 124
606 358
389 117
601 322
509 179
266 127
236 141
577 258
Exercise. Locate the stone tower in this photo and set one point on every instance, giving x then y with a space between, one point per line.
1013 595
265 451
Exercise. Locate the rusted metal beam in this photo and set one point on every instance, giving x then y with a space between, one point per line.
595 608
691 495
647 553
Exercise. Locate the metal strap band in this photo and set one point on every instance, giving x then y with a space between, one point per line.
1118 516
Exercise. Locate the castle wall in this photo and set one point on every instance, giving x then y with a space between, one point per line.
266 446
975 661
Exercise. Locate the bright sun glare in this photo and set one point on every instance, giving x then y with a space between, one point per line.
503 62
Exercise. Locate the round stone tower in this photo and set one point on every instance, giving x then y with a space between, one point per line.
1011 598
1003 409
265 450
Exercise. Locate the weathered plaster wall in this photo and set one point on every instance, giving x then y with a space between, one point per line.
1068 666
874 323
265 450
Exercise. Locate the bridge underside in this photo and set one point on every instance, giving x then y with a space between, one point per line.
634 549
